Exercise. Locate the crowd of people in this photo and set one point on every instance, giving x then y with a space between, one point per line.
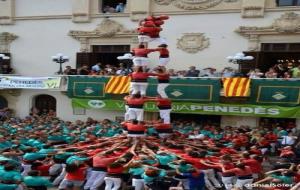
277 71
43 151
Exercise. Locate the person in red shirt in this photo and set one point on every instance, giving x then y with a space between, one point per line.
163 81
263 144
150 28
273 139
75 175
164 129
139 81
164 55
244 175
113 180
253 163
135 129
165 107
141 55
135 104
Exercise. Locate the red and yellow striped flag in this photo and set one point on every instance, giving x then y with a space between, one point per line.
118 85
235 87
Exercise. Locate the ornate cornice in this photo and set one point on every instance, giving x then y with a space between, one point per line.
192 42
190 4
106 29
288 23
5 39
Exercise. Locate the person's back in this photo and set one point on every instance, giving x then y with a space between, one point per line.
36 182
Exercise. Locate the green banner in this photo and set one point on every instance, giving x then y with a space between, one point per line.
91 87
180 89
279 92
198 108
189 89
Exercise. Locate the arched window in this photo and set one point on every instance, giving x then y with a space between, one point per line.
44 103
3 102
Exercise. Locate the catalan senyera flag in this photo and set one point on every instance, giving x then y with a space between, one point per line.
118 85
236 87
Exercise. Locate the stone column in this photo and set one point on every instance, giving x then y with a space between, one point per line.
139 9
81 10
7 11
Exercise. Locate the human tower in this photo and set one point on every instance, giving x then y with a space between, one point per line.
149 31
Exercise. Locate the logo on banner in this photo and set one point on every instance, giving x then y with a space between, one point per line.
279 96
96 104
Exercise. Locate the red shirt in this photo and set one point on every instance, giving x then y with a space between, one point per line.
162 126
228 150
142 52
255 151
103 161
163 102
196 162
135 127
253 164
118 170
239 172
133 102
163 52
43 169
271 137
163 77
140 75
78 174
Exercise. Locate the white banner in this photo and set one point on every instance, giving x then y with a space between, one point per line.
30 82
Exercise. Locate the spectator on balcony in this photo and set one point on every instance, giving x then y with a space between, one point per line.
120 8
122 70
84 70
192 72
97 67
271 73
108 9
69 71
6 69
228 72
172 73
209 72
254 74
296 72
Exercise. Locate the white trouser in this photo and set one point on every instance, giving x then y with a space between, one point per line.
143 38
264 150
126 116
136 113
210 175
241 183
95 180
161 89
185 183
163 61
138 184
273 147
228 182
139 87
61 176
26 169
160 40
164 135
112 183
141 61
165 115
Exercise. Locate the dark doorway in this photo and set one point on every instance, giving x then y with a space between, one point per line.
111 3
271 123
105 54
272 54
3 102
200 119
45 102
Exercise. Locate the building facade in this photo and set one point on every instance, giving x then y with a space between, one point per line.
199 33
